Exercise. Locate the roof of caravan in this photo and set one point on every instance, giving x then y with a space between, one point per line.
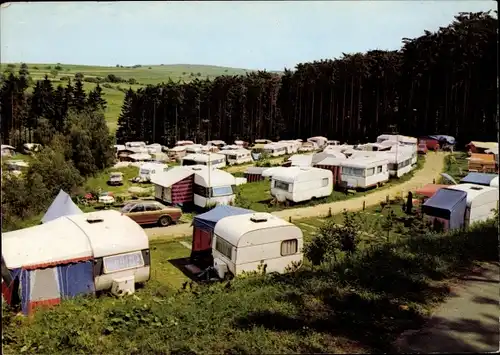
290 174
318 138
209 219
474 191
364 162
255 170
217 177
269 172
485 145
73 237
301 159
479 178
203 157
398 138
275 145
446 199
318 157
140 156
55 241
179 148
234 227
429 189
151 165
61 206
494 182
489 158
172 176
239 150
331 161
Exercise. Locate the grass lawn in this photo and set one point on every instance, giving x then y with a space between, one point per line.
457 165
257 195
99 182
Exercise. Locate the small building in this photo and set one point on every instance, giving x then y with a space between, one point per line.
8 150
446 207
299 184
481 147
254 173
198 184
481 202
484 163
203 232
213 160
68 256
246 242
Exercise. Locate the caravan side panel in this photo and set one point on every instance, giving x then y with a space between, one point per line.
76 279
182 191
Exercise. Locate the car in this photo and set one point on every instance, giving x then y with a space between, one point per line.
151 212
115 179
422 148
106 198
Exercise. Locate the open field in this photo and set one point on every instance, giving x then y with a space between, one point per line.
144 75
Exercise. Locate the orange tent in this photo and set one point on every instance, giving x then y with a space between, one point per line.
482 163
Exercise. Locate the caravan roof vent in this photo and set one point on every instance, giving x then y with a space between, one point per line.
197 168
259 217
94 219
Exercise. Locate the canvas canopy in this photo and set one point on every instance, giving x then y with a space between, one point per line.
209 219
478 179
429 190
61 206
447 204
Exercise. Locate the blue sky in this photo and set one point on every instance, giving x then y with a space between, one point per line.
255 35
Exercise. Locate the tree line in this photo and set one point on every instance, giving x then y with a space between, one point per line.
439 83
76 142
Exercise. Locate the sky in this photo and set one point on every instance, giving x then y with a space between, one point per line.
267 35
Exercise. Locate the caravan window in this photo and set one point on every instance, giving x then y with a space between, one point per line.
324 182
289 247
352 171
379 169
223 247
200 190
187 162
222 191
281 185
370 172
122 262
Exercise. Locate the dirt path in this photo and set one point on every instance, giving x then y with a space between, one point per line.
467 322
434 165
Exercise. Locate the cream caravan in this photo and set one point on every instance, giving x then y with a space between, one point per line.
238 156
301 184
243 242
212 186
275 149
364 172
481 202
213 160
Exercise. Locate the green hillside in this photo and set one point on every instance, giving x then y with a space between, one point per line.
143 75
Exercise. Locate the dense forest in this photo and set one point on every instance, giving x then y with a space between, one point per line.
439 83
72 129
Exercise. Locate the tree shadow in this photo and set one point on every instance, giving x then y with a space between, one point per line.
485 300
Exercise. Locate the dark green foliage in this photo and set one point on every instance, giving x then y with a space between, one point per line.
79 76
439 82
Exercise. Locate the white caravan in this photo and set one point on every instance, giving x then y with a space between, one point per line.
136 147
245 242
263 141
399 163
239 156
214 160
292 147
193 148
183 143
406 149
481 202
275 149
212 186
320 141
301 184
364 172
149 169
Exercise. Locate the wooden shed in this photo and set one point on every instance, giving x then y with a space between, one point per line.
484 163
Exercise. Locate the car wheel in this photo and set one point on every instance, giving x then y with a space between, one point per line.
165 221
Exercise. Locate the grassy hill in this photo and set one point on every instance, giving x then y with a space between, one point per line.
144 75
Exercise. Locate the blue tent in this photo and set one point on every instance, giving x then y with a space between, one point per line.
449 205
209 219
478 179
61 206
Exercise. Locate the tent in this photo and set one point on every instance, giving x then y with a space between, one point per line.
61 206
429 190
443 138
204 225
448 207
479 179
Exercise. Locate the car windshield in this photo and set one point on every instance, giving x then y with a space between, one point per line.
128 207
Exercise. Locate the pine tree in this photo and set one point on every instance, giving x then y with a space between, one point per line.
79 96
123 132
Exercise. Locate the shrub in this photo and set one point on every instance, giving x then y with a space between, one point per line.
79 76
132 81
58 67
11 65
108 86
